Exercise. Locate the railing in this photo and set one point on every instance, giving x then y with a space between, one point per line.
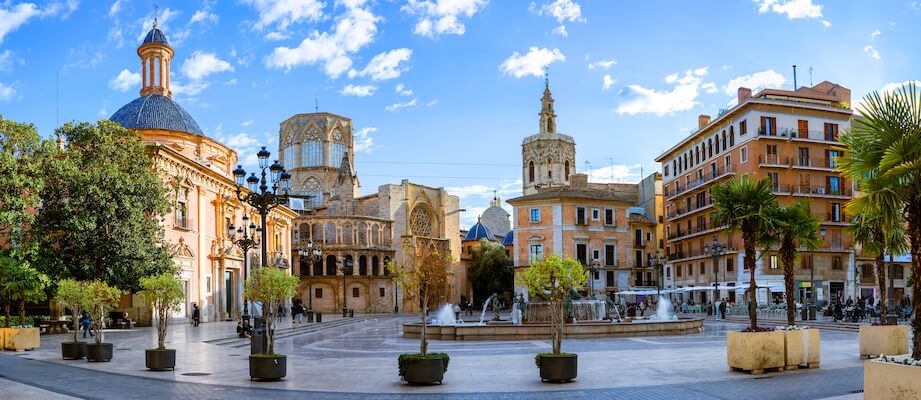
836 216
787 161
820 190
795 133
185 223
679 212
707 177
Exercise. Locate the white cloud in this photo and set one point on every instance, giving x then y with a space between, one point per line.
709 87
793 9
563 11
247 123
276 36
756 81
364 143
402 90
476 198
726 67
440 17
603 65
8 60
892 86
13 17
532 63
125 80
104 110
358 90
353 30
875 34
396 106
431 103
204 16
115 8
826 23
386 65
286 12
871 52
6 92
615 174
607 82
202 64
682 97
243 143
193 88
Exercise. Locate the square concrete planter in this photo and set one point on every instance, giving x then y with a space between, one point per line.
884 380
755 351
802 347
886 340
20 339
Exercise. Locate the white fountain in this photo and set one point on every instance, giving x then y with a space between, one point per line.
664 311
445 315
485 304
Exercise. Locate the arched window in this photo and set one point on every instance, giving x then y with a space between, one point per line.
566 170
732 137
347 235
362 265
331 265
717 137
311 187
421 220
724 140
336 150
386 262
530 171
375 266
710 146
318 267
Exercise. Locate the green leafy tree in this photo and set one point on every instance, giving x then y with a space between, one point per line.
555 278
72 293
100 299
490 270
100 208
163 294
794 226
22 152
20 284
883 154
747 205
269 286
425 278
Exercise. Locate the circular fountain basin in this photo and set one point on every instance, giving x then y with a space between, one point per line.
582 329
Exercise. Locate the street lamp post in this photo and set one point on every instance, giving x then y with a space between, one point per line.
313 254
245 242
812 289
659 262
716 250
265 192
593 268
346 268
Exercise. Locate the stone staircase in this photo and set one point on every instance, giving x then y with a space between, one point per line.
305 329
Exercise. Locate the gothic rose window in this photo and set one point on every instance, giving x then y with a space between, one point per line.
420 220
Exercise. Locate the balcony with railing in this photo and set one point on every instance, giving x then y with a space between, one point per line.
837 192
698 230
183 223
671 192
777 161
797 135
681 212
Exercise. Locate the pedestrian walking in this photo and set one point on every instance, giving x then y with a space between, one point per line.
722 309
457 311
196 315
87 323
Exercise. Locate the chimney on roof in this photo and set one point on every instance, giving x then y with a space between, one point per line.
702 121
578 181
744 94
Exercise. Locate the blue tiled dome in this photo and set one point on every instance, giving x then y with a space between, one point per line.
509 239
156 111
478 232
155 36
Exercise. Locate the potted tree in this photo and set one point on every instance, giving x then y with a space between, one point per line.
269 286
747 205
555 278
19 284
71 293
100 299
796 226
883 151
425 279
163 294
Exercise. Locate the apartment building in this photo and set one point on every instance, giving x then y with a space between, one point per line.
790 137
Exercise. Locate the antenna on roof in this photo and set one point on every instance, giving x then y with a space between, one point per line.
316 104
156 11
810 76
794 77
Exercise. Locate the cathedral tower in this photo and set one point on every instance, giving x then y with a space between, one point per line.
549 157
156 55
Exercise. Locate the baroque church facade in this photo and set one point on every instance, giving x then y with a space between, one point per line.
358 234
198 173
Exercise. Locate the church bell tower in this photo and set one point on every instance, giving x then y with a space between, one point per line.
549 157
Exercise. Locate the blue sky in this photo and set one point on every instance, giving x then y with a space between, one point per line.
441 92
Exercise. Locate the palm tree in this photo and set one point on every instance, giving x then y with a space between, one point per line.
794 226
875 238
745 204
884 147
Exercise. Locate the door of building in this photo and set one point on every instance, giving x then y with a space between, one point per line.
836 291
228 291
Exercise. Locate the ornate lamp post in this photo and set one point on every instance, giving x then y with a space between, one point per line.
659 262
716 250
245 242
346 268
265 192
593 268
313 254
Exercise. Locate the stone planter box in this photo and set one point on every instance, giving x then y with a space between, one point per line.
755 351
99 352
160 360
802 348
562 369
73 350
424 372
883 380
886 340
268 368
20 339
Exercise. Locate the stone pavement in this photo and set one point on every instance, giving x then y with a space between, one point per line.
357 360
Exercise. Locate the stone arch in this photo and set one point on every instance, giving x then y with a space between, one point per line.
331 265
422 220
375 235
724 140
316 232
318 267
348 234
530 171
303 231
362 229
375 266
330 298
566 170
363 265
386 262
330 233
360 302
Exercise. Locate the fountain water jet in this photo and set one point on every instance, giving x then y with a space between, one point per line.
445 315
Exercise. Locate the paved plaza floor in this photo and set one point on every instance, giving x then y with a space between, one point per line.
355 358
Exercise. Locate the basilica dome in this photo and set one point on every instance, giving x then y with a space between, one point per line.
156 111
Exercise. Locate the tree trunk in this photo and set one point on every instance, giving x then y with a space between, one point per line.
914 235
881 280
787 255
558 340
6 308
76 321
423 342
748 237
22 312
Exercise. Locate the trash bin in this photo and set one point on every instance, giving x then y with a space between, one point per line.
309 316
259 342
351 313
319 317
804 313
